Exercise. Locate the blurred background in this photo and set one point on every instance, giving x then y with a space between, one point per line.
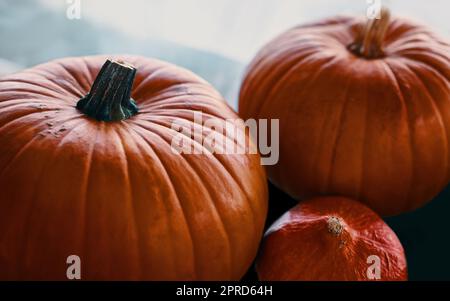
216 39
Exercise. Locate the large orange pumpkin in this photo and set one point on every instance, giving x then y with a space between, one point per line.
102 182
331 239
364 110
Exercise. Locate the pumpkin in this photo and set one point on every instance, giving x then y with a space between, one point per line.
87 170
331 239
364 110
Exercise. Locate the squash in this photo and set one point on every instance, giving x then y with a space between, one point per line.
364 111
331 239
87 170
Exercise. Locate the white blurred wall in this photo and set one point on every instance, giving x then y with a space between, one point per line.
235 28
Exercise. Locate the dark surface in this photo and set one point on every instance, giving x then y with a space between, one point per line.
424 233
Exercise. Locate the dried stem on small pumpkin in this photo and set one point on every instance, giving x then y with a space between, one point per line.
369 42
335 226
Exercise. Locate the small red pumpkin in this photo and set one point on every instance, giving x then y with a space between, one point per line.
331 239
86 170
364 111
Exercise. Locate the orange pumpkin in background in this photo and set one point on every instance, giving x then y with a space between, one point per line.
331 239
101 181
364 110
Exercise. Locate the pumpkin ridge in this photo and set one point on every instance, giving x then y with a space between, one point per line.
161 103
181 107
226 168
130 199
438 113
421 47
74 85
26 145
398 30
413 32
157 132
49 78
280 79
265 57
225 227
220 162
406 56
134 212
58 149
361 184
223 134
439 78
19 103
85 188
399 94
170 85
88 72
176 191
309 83
28 92
412 142
192 123
175 106
24 250
24 116
265 75
414 44
17 155
338 134
156 156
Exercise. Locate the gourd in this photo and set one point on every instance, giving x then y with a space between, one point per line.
87 169
331 239
364 110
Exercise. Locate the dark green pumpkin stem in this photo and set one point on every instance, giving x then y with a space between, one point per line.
110 95
370 38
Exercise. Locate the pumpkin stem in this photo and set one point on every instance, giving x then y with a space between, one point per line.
335 226
369 42
110 95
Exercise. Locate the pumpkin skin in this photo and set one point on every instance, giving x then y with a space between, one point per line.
372 129
330 239
114 193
